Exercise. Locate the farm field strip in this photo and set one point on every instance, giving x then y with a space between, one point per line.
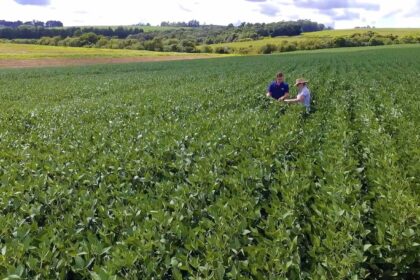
186 170
24 55
26 51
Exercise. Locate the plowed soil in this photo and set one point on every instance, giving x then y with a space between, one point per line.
58 62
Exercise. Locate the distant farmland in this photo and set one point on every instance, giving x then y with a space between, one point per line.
25 55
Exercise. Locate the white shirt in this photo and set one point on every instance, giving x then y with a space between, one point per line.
306 96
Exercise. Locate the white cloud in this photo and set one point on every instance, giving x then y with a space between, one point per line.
33 2
339 13
269 9
334 4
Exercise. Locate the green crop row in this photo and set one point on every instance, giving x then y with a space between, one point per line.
185 170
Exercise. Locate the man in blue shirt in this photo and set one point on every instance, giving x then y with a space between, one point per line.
278 89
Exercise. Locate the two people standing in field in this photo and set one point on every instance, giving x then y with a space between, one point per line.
279 90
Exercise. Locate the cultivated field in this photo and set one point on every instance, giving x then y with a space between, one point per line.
25 55
185 170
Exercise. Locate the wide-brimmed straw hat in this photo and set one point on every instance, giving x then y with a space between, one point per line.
300 81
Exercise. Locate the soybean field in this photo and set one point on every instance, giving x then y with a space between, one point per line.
186 170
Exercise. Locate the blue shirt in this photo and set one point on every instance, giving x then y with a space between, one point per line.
278 90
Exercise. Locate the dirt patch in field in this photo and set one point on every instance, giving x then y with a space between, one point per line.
56 62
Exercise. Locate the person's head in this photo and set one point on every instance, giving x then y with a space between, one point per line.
279 77
301 82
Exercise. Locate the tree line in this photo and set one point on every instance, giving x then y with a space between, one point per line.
190 30
37 23
199 38
37 32
191 23
191 37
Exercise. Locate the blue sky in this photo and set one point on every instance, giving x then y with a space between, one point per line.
338 14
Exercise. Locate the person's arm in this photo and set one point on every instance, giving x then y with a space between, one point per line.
268 94
298 98
286 95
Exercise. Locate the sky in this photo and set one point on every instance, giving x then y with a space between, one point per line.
339 14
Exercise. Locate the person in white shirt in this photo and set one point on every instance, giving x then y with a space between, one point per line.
304 95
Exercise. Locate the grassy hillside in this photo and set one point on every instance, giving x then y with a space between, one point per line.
311 38
186 170
348 32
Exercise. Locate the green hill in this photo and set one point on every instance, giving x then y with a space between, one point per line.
348 32
322 39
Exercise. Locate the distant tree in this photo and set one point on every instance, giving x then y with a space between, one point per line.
339 42
88 39
268 48
120 32
143 24
285 29
188 46
223 50
209 41
53 23
232 37
38 23
193 23
207 49
7 33
376 41
102 42
77 32
154 45
309 26
12 24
